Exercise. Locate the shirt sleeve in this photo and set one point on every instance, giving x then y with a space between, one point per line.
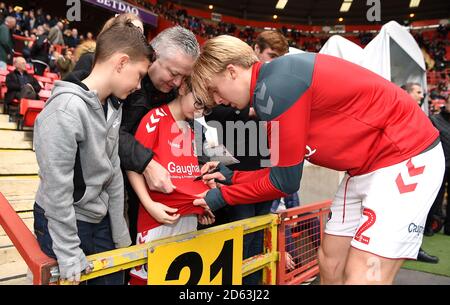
287 140
147 132
283 99
133 155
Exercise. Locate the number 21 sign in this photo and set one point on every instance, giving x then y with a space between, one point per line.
208 259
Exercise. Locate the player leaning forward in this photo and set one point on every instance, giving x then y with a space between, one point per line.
340 116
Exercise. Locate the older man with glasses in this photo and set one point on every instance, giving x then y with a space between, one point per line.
176 51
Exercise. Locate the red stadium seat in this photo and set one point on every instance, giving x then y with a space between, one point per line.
58 48
2 79
4 72
44 95
52 76
3 90
43 79
48 86
28 110
11 68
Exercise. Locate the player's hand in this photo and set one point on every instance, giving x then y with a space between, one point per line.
162 213
208 166
211 179
158 178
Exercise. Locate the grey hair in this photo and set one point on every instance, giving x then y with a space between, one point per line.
10 19
176 39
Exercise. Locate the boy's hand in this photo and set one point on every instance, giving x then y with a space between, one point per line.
206 218
200 201
290 264
162 212
71 275
158 178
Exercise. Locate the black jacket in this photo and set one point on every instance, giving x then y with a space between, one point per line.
85 62
133 155
40 49
14 87
442 123
222 114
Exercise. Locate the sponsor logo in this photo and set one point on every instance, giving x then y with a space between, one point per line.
174 145
310 152
183 169
417 229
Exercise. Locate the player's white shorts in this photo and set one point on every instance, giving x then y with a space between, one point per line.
385 210
185 224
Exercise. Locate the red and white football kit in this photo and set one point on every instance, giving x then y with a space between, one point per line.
174 150
339 115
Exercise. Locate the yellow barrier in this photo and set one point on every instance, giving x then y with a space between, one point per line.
205 253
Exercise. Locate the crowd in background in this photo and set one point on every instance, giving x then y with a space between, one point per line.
50 41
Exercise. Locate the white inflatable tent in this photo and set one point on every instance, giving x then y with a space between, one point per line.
393 54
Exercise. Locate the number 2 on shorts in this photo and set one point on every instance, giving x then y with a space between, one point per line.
371 217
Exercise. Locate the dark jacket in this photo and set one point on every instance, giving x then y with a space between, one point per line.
442 123
14 87
133 155
85 62
72 42
40 49
222 114
6 43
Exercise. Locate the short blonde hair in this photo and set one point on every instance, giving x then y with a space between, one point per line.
217 53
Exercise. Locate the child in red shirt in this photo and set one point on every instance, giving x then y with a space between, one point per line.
165 130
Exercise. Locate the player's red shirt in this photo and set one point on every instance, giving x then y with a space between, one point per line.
333 113
174 150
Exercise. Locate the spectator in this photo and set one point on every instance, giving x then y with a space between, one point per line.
20 84
40 19
67 36
415 91
18 30
25 22
162 215
65 63
176 51
3 12
40 51
51 21
55 36
85 53
442 122
79 204
26 51
89 36
269 45
31 22
73 40
6 42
